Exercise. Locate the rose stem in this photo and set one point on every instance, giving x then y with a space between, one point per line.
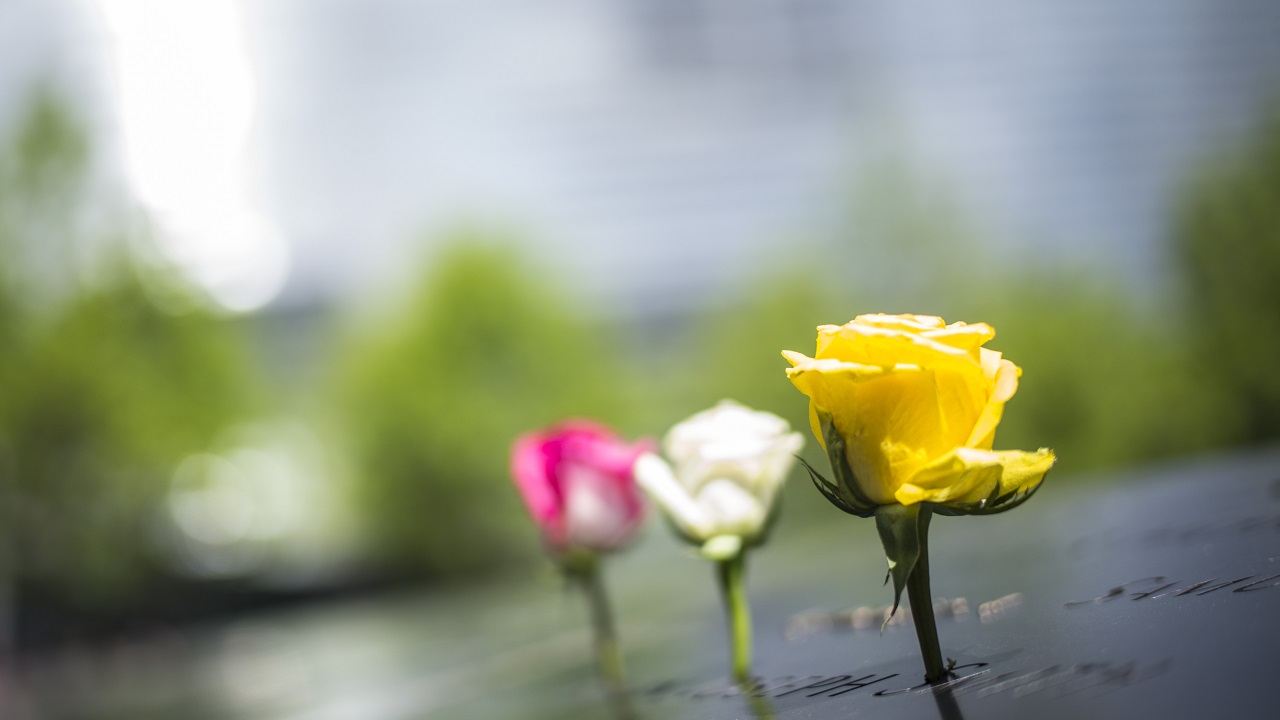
731 573
608 654
922 605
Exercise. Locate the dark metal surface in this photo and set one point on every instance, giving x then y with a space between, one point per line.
1150 595
1157 598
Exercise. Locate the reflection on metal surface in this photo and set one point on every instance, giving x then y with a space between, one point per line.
814 622
992 610
1180 533
948 708
957 676
757 703
507 653
1058 681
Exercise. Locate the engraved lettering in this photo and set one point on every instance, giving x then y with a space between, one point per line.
1018 681
857 684
760 689
1206 591
982 681
1245 588
1152 593
922 687
899 691
1122 675
1164 589
1053 680
1100 677
948 686
792 682
708 689
1114 592
1195 587
819 684
662 688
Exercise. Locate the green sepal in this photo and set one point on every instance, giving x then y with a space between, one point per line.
576 562
993 504
846 482
830 491
721 548
902 531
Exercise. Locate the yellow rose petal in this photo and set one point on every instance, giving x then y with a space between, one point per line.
1005 384
963 336
969 475
963 475
917 403
962 398
807 374
872 345
890 418
1024 470
990 362
906 321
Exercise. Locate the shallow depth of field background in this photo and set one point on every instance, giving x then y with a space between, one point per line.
280 281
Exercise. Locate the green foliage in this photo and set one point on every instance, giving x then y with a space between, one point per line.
110 398
1228 246
101 393
433 398
47 156
1105 382
485 352
42 184
736 353
1109 380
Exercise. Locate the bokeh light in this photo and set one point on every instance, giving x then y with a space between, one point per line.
185 88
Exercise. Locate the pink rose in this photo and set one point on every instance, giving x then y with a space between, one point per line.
577 480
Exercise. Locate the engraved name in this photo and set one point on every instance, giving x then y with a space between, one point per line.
1158 586
974 678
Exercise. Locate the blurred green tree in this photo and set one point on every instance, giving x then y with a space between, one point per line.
1227 232
108 400
101 392
1107 381
433 397
736 352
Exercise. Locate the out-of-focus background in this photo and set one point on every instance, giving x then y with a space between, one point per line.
281 280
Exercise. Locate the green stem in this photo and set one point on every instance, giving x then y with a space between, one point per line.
922 605
608 653
732 573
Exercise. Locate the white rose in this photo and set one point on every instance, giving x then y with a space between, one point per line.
727 465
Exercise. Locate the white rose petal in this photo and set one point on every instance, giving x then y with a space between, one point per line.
733 510
729 463
656 477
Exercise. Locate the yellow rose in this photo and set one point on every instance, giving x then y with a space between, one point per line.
915 404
